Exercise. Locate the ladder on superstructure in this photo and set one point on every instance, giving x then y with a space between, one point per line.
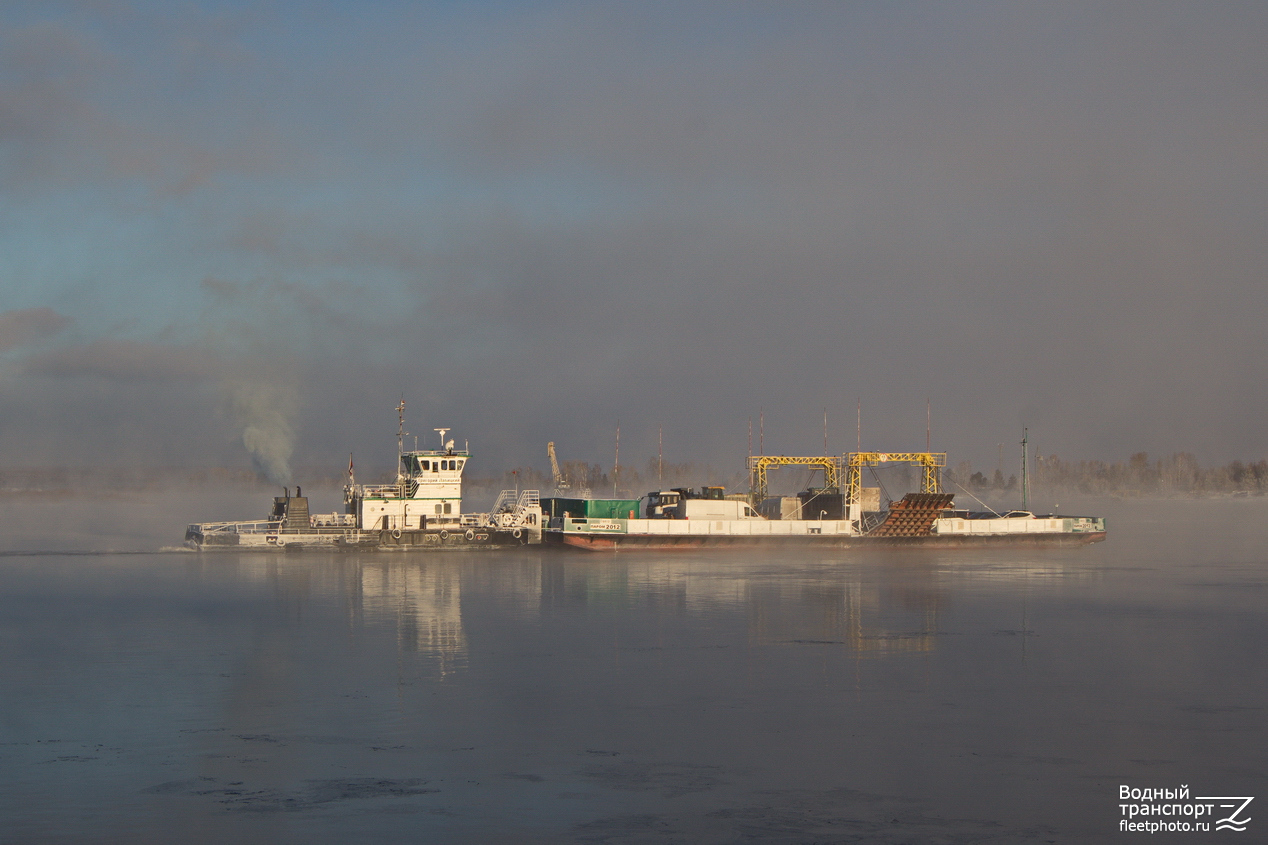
511 508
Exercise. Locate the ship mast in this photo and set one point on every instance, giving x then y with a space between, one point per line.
660 452
400 436
1025 473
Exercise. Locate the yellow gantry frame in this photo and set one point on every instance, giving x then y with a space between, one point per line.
830 465
930 482
930 462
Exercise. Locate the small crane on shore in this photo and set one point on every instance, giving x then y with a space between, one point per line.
562 487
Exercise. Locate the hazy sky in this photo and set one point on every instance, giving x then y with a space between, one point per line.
535 221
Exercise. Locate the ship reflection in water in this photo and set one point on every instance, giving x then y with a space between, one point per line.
997 696
840 608
423 602
869 610
872 612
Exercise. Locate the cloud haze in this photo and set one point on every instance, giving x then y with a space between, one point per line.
18 328
533 222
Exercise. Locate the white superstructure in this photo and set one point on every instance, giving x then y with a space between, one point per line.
427 492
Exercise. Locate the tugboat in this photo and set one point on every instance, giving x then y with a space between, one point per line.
421 510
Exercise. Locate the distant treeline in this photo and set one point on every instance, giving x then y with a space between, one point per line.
1177 474
632 481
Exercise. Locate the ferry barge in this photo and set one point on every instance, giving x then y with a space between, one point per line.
824 517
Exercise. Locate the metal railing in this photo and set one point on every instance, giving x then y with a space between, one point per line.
263 526
333 520
511 508
268 526
394 491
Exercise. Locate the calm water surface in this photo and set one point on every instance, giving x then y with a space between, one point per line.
637 698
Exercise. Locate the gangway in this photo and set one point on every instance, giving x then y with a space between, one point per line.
512 507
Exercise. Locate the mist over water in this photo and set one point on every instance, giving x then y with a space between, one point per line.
998 696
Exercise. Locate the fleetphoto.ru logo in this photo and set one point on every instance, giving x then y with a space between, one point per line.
1153 810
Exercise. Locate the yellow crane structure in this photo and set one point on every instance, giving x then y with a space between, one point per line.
757 466
563 486
930 462
555 475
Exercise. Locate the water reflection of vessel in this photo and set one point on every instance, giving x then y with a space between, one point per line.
424 600
685 518
420 510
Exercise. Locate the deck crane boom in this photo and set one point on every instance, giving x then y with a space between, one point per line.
564 488
561 485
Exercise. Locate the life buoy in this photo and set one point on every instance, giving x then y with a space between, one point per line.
470 534
444 535
516 533
280 542
396 533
